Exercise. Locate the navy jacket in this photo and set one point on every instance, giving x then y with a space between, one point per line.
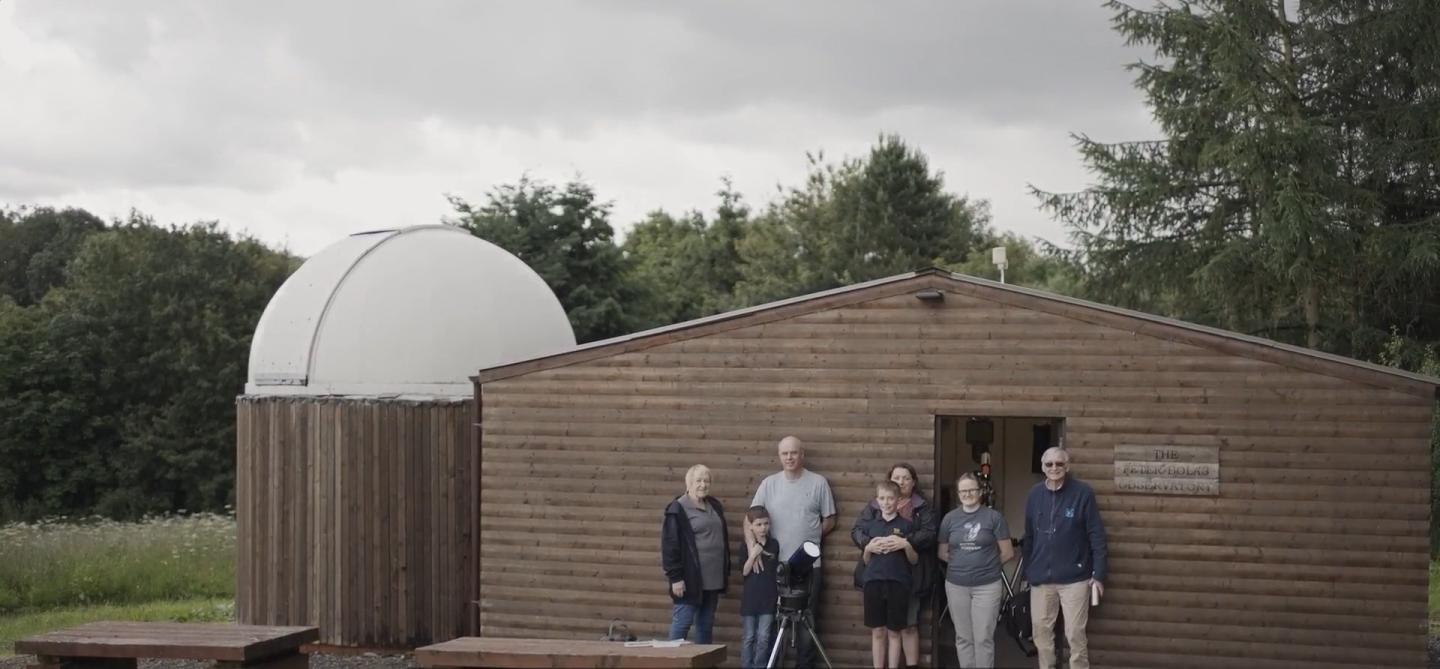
680 558
1064 538
924 573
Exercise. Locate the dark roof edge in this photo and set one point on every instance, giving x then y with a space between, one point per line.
994 285
1204 329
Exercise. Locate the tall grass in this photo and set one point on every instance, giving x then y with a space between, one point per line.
61 563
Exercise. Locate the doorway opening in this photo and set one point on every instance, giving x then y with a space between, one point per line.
1011 446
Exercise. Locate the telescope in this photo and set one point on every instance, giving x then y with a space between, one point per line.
793 577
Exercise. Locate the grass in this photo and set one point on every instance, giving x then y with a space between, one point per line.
1434 597
67 564
21 625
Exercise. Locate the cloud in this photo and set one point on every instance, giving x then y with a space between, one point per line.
304 121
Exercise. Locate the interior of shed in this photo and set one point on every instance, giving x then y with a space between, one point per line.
1011 447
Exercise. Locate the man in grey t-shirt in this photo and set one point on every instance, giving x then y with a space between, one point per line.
801 509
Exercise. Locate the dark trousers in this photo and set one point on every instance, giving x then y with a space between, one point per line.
806 655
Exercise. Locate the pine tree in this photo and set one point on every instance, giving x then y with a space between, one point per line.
1295 192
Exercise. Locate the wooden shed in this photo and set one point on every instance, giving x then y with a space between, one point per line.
1297 534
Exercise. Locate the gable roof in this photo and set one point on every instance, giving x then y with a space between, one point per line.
1232 343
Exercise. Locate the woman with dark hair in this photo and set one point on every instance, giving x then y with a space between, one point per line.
695 553
913 507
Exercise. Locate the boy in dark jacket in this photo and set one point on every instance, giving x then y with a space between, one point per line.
1065 558
757 600
887 576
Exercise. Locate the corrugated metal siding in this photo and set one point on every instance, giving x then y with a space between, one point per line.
1315 551
356 516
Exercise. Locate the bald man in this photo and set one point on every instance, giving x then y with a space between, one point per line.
801 509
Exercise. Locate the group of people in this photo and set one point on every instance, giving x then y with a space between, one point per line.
902 547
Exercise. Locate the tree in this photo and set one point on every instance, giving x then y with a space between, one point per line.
864 219
1295 193
681 268
36 245
565 236
117 389
1030 264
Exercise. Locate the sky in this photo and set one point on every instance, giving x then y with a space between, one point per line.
300 123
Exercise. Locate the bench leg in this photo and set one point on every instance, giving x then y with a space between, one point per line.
53 662
291 661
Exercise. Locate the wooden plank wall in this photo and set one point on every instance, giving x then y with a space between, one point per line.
1314 553
356 516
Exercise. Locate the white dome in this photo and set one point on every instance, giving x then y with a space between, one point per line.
403 312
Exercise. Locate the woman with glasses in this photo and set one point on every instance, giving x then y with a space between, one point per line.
913 507
974 542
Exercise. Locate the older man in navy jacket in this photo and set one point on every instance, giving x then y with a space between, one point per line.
1064 557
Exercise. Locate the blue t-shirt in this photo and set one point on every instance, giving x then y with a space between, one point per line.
893 566
761 591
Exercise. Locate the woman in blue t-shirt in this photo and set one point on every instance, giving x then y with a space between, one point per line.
974 542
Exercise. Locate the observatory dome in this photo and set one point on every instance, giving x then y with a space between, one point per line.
414 311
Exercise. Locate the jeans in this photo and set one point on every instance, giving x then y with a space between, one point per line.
682 616
974 610
756 635
1046 601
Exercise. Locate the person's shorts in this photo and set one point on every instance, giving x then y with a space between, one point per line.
886 604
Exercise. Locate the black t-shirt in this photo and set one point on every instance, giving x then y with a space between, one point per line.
893 566
758 597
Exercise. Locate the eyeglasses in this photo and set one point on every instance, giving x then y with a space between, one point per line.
969 491
1054 465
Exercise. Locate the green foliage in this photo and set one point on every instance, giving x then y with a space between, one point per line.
1294 192
36 245
863 219
565 236
1032 265
681 268
118 387
55 563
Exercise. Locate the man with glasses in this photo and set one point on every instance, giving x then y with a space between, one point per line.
1065 557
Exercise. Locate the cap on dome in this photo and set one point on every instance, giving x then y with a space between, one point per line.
413 311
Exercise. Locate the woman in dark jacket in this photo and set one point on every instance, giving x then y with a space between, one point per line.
695 553
923 575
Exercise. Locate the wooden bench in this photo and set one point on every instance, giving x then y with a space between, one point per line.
116 645
564 654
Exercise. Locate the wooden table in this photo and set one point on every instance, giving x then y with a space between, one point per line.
116 645
564 654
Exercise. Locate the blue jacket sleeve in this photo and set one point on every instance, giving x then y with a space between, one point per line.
1027 544
1099 552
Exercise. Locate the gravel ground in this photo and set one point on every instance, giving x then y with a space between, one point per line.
317 661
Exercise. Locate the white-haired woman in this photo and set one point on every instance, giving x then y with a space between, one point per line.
695 553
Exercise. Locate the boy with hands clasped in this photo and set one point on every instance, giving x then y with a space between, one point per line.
888 558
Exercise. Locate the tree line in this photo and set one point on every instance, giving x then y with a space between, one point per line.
1294 194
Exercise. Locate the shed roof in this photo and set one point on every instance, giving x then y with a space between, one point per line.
1233 343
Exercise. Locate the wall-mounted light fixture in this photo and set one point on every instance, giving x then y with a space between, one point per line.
931 296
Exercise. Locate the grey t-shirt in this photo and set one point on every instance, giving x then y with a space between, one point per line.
974 540
709 542
796 508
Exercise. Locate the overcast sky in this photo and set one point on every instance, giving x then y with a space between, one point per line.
301 122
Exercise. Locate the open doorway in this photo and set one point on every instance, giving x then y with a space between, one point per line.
1012 446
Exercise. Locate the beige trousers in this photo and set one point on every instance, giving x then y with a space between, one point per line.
1046 601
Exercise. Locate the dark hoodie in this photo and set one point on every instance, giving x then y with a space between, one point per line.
1064 538
678 555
